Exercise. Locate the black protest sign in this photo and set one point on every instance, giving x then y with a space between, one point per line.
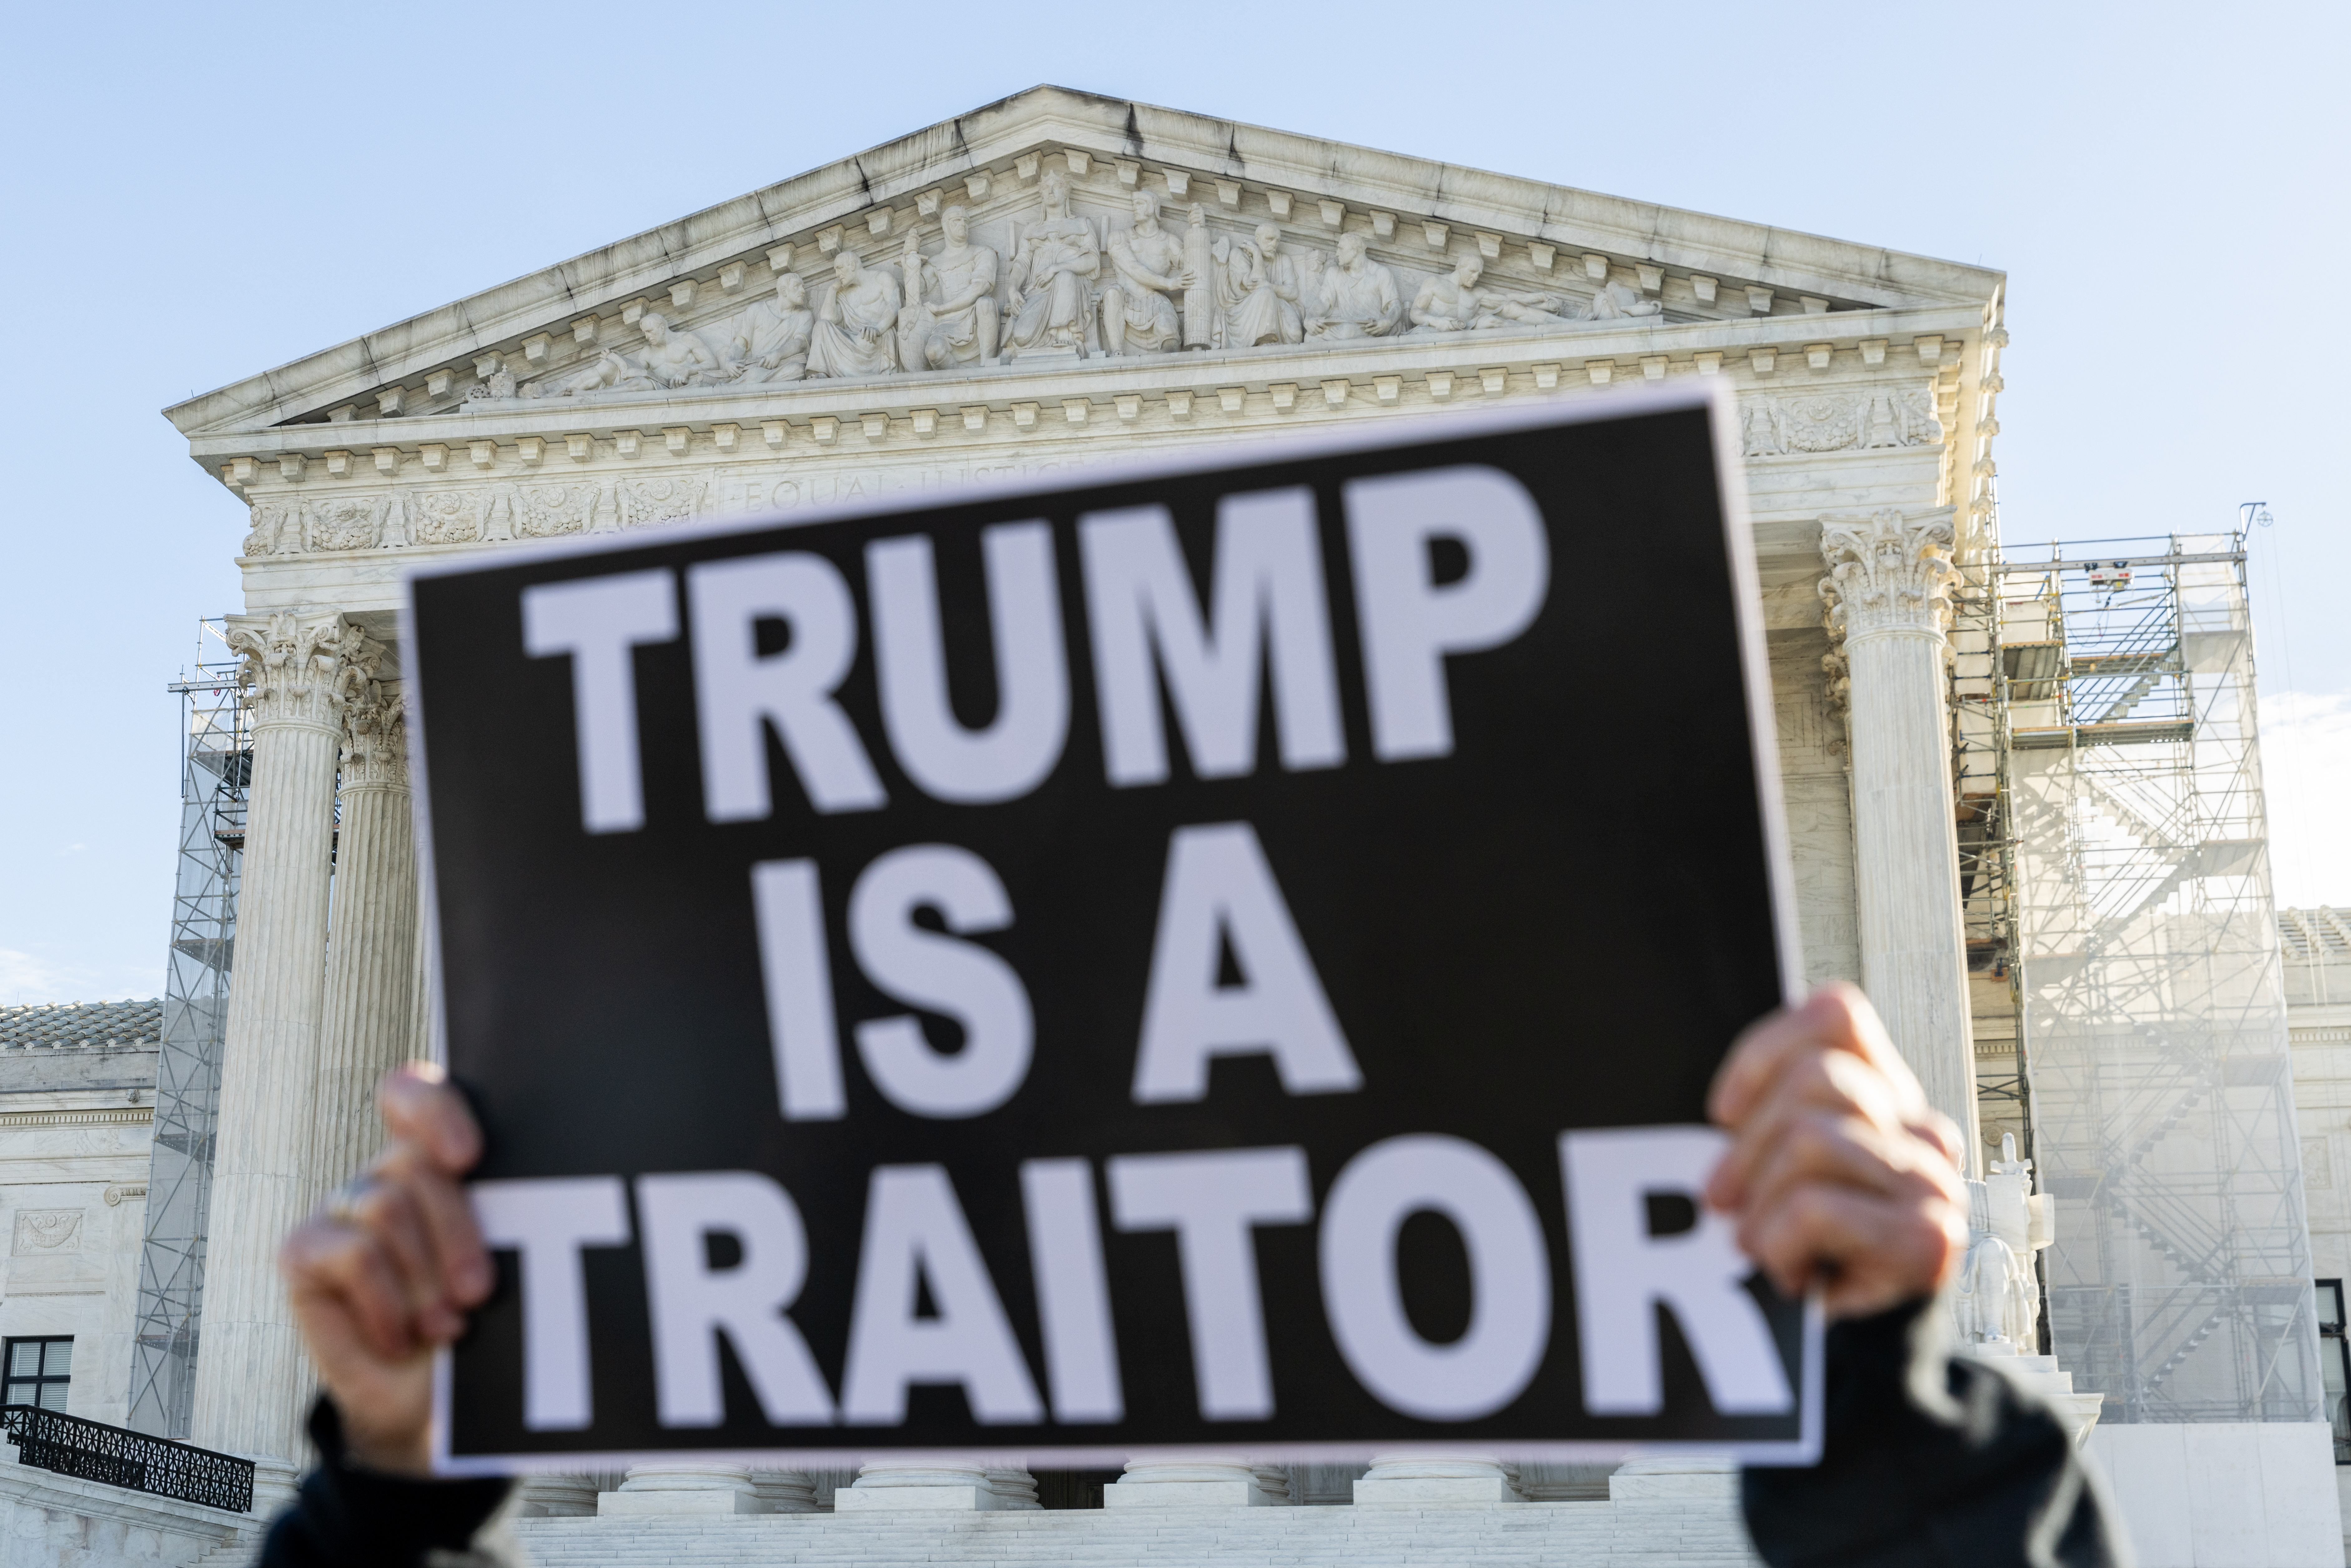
1229 956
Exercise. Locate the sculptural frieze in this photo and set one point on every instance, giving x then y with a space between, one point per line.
649 503
1261 291
344 522
856 331
391 525
1050 289
1616 301
1147 265
1355 297
544 511
969 288
768 339
672 357
950 316
1456 302
1782 425
276 530
447 518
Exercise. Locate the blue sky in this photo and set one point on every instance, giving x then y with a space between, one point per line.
202 192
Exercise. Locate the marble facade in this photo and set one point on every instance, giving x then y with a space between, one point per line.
76 1117
1054 282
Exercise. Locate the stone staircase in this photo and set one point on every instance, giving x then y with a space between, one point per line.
1685 1533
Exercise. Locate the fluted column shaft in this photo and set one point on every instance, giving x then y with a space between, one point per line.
252 1378
371 950
1889 600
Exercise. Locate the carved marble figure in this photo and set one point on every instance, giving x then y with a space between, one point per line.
1263 285
769 340
673 358
1146 266
1616 301
856 333
1996 1301
1358 297
1050 290
959 325
1449 304
1456 304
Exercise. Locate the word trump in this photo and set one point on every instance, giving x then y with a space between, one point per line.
1267 612
917 1242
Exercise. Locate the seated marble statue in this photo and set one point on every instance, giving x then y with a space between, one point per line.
1616 301
769 340
1049 292
1262 287
1357 298
958 326
1146 266
673 358
856 333
1449 304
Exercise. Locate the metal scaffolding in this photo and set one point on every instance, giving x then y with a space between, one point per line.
216 765
2151 1022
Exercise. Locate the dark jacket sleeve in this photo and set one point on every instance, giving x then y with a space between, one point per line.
1930 1461
347 1517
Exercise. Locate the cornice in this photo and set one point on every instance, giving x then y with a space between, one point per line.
994 140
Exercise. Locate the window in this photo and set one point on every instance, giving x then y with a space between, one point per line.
38 1370
2335 1364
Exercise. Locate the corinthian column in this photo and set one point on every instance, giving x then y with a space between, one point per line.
252 1379
1889 596
371 951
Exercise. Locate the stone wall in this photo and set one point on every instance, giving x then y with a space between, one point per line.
75 1127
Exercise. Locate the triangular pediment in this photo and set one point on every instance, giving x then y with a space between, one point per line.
1565 258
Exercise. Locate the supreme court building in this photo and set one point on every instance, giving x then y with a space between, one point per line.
1060 280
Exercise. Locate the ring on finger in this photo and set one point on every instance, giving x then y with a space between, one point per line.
343 1203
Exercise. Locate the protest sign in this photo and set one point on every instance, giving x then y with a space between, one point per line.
1228 955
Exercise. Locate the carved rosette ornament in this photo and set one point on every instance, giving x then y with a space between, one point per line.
375 737
302 670
1888 573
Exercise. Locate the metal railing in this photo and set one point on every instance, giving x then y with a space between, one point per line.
94 1451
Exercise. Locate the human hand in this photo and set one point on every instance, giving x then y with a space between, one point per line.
1839 1172
383 1273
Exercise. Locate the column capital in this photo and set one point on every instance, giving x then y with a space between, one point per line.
1889 571
375 736
302 667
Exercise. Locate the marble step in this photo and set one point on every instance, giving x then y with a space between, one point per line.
1598 1534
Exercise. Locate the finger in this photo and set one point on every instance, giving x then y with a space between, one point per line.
461 1265
1811 1082
419 1106
332 1267
1852 1024
1761 1051
1869 1251
1842 1151
388 1211
1940 1131
1835 1017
